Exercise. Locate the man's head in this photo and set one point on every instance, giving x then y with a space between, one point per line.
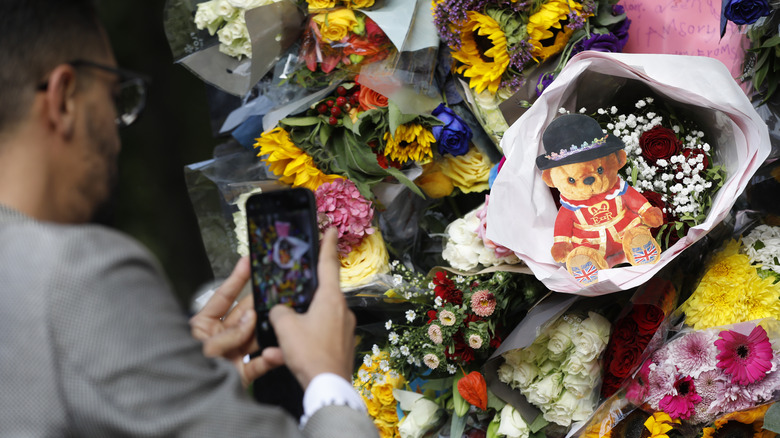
59 87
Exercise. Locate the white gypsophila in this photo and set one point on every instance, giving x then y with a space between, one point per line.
393 338
394 352
389 324
367 360
410 315
397 280
375 350
405 350
768 254
363 375
451 368
438 301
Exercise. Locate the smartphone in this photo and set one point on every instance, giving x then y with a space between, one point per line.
283 247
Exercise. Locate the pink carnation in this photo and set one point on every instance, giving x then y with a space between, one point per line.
340 205
501 251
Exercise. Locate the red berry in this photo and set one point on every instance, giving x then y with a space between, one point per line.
341 101
354 99
341 91
329 103
335 111
333 120
322 108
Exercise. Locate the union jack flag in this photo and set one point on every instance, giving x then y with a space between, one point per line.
587 273
645 254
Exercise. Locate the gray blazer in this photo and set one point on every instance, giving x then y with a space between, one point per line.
92 343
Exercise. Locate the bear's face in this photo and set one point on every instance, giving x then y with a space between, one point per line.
581 181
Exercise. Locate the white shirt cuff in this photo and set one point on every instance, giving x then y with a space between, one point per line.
329 389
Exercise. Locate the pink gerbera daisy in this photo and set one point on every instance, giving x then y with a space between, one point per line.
682 404
745 358
483 303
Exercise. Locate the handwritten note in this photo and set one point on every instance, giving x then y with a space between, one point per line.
684 27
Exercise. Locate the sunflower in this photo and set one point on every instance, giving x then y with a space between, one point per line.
482 52
410 142
548 30
291 164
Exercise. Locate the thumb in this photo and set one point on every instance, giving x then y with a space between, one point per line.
231 337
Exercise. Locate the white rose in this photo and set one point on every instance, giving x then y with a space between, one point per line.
562 410
515 357
574 364
591 336
248 4
524 375
560 339
225 9
578 384
231 32
512 424
423 414
545 391
549 366
486 100
461 257
206 17
505 373
487 257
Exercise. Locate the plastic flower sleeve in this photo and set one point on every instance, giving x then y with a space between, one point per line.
272 29
701 87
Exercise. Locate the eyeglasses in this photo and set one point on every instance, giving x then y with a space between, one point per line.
130 97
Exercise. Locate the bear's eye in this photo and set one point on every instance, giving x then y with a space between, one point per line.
600 170
572 180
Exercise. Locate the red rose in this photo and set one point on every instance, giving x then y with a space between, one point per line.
659 143
623 361
625 332
610 385
375 33
648 317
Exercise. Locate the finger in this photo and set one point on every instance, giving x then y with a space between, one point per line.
224 297
232 337
245 304
271 358
328 268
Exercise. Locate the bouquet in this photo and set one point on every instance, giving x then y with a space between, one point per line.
613 79
226 18
560 371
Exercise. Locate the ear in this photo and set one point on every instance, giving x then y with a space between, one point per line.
621 158
547 178
61 100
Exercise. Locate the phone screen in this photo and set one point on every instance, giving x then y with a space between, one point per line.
283 244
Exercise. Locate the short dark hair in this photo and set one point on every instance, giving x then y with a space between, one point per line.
35 37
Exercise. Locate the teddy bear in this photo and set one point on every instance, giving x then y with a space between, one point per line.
603 221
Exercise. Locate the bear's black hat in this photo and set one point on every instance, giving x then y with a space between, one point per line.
575 138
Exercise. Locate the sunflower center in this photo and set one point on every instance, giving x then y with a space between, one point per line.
483 45
403 144
743 351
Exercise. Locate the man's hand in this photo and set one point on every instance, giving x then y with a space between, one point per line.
322 340
229 333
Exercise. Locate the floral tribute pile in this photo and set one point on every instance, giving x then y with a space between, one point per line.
401 157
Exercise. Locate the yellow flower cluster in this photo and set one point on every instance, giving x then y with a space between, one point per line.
375 382
410 141
731 291
659 424
292 165
364 261
319 5
469 172
335 25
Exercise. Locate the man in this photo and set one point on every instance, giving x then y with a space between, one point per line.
92 341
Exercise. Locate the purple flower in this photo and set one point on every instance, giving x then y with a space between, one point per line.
746 11
620 30
544 81
454 136
600 42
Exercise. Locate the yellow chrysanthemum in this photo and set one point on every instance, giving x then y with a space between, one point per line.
410 142
659 424
730 292
469 172
547 30
292 165
484 68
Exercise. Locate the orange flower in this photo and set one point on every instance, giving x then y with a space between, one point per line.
370 99
473 389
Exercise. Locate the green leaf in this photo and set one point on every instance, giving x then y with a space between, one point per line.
538 424
458 424
761 73
772 418
775 40
397 118
301 121
325 131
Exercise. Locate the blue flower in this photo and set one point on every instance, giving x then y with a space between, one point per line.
746 11
454 136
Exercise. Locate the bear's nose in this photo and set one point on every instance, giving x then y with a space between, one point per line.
589 180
